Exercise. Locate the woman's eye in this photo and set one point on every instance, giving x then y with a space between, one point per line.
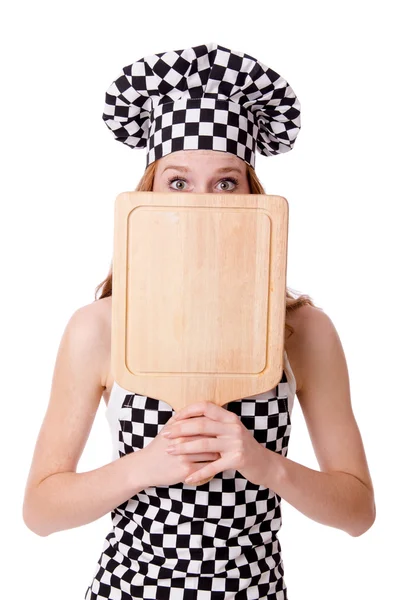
179 183
225 185
228 184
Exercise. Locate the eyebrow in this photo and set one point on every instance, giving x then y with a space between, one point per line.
220 170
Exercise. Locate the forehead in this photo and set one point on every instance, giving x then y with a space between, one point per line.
190 158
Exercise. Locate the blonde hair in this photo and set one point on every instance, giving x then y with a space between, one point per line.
146 185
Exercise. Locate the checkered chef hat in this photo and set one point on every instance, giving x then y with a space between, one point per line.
206 97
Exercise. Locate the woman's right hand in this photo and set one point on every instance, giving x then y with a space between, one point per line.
167 469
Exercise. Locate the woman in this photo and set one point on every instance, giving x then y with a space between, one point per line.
169 538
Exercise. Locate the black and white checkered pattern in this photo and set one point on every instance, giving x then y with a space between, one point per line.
205 97
216 541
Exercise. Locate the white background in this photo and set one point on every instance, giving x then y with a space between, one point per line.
62 172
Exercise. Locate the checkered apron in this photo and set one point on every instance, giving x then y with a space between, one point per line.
217 541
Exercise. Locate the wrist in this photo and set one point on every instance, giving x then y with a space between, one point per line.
137 474
270 467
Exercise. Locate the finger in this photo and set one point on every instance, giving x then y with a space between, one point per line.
170 421
194 447
197 426
208 409
204 457
207 471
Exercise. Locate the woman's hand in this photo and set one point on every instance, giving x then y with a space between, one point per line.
165 469
221 431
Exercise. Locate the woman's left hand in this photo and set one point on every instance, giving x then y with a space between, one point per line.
222 431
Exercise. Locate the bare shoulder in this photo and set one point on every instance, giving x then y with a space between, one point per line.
314 332
101 310
93 321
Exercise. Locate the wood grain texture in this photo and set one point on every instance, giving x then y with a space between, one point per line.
199 283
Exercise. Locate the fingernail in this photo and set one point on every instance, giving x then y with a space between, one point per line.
165 433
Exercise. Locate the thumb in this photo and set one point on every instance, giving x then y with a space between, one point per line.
169 422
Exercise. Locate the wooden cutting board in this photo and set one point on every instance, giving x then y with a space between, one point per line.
199 288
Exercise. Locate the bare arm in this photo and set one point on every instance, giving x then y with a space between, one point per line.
342 495
67 500
56 497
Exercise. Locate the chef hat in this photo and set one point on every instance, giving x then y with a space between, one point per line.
205 97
